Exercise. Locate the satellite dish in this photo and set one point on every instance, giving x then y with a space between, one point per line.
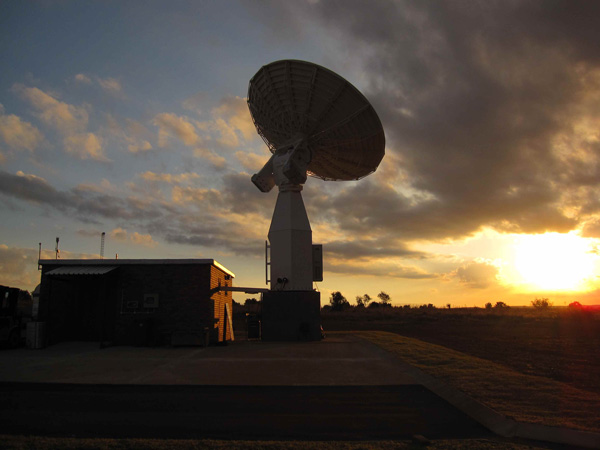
315 123
306 106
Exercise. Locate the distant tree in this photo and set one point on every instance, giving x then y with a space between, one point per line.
338 301
488 305
250 301
541 303
575 305
501 305
363 300
384 297
448 306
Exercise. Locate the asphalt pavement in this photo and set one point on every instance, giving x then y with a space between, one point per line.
342 388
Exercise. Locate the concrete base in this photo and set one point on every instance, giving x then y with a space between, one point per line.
291 316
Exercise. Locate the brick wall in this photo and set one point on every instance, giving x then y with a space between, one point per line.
183 293
220 299
186 300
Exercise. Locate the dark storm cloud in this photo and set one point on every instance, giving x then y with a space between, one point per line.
83 203
202 217
365 249
484 103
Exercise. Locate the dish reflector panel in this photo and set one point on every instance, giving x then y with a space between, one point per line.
291 98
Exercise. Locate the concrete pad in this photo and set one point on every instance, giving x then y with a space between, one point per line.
342 360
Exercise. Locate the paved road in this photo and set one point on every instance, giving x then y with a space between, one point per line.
231 412
338 360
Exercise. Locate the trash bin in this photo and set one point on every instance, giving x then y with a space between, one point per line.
253 325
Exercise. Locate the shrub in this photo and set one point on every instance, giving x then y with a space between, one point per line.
541 303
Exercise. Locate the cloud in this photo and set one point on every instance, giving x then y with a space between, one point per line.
110 85
169 178
232 116
129 134
591 229
142 146
18 266
233 218
490 109
196 102
19 134
477 275
356 249
251 161
81 78
121 235
218 161
230 123
85 146
170 125
79 202
89 233
65 118
380 269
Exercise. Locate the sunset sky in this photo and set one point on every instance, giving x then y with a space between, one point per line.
131 118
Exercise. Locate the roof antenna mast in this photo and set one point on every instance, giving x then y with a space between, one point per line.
102 245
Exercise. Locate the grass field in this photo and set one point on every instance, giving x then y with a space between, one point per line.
526 398
558 343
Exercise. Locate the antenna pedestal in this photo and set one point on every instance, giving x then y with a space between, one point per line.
290 238
291 316
291 309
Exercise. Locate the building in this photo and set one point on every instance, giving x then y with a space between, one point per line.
136 301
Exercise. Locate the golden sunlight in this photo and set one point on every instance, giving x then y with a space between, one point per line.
554 261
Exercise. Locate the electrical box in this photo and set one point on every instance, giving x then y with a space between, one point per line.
150 300
317 262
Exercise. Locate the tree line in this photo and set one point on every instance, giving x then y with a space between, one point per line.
337 302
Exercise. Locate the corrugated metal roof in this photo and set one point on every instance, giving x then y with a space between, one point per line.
81 270
122 262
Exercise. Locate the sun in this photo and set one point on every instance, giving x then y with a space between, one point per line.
554 261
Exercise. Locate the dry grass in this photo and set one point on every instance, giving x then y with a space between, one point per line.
47 443
526 398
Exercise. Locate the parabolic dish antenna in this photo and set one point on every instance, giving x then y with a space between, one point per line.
340 132
315 123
